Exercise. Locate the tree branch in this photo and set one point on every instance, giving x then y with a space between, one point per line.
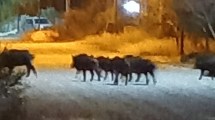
203 17
211 30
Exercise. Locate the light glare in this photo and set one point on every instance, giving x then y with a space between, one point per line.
132 7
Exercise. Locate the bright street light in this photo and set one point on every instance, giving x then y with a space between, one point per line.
132 7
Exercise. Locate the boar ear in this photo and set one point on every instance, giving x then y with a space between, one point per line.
91 56
5 49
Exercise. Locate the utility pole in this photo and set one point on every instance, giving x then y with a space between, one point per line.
160 8
118 26
140 12
39 14
68 2
160 16
144 4
115 5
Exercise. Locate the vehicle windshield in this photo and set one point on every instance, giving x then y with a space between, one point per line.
29 21
41 21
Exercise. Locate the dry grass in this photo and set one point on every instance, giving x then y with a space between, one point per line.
136 42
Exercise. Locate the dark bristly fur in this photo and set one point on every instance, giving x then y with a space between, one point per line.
105 65
14 57
83 62
205 62
139 66
120 66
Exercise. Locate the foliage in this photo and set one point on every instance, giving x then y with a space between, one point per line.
11 8
161 18
90 19
50 13
150 20
29 7
6 12
7 80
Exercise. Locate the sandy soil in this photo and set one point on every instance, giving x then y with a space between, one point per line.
179 95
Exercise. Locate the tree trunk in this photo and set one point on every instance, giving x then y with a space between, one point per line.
39 14
18 23
8 27
182 43
207 44
177 42
39 23
177 32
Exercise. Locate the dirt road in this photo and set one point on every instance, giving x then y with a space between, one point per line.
178 95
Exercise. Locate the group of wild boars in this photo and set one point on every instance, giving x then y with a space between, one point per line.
139 65
14 57
83 62
123 66
131 64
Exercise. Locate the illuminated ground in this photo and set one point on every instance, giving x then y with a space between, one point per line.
179 95
57 95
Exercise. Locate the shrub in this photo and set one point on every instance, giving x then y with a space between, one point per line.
11 101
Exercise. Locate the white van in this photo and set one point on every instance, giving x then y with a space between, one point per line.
34 22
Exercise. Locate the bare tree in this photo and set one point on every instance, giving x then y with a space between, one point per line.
197 17
162 16
169 22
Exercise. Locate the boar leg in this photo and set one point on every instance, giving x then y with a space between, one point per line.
84 73
201 74
138 77
116 79
34 70
153 76
92 75
147 79
130 77
106 74
10 70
